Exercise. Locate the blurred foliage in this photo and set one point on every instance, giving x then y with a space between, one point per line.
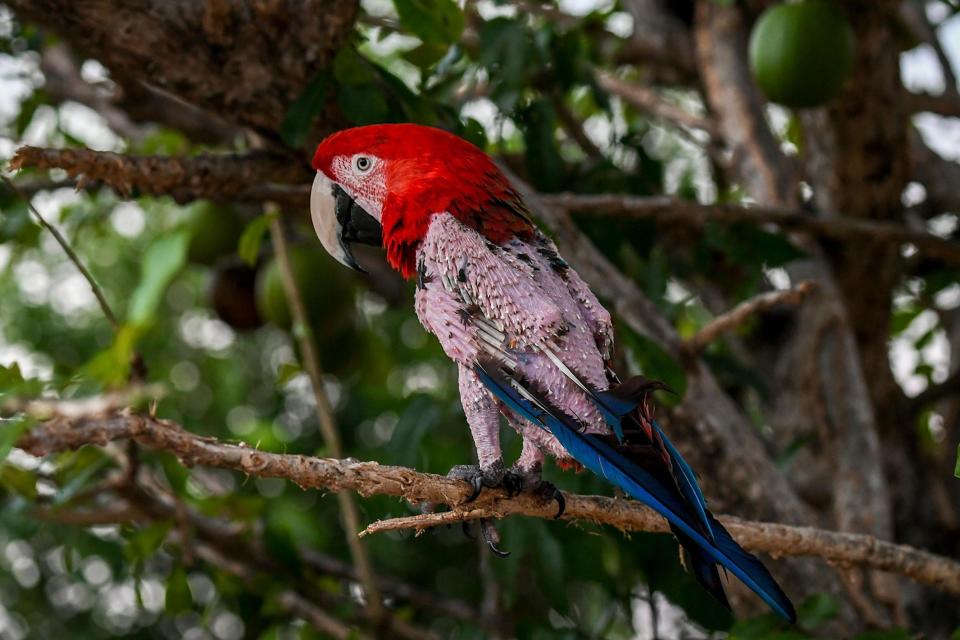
518 85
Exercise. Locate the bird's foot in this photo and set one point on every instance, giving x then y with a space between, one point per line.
492 476
532 482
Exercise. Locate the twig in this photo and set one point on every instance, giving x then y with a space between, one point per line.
370 478
328 425
648 100
949 387
317 617
915 17
670 211
288 599
392 586
74 258
944 105
739 314
574 127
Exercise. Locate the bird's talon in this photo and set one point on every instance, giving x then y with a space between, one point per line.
492 476
561 502
497 552
512 483
492 538
477 483
548 492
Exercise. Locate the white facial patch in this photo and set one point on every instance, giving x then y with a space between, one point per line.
368 187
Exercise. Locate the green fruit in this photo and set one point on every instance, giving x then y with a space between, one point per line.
215 231
801 53
327 295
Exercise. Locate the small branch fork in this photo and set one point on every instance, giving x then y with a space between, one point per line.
369 478
744 311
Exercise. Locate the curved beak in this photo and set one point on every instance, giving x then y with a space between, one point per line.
339 221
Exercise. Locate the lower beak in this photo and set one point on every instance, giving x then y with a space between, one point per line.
339 221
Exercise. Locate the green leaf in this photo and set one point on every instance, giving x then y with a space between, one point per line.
112 365
298 120
363 104
426 54
178 597
16 223
349 67
10 376
144 542
252 238
287 372
656 363
816 610
80 478
13 383
956 469
543 158
27 110
161 262
431 20
903 317
18 481
10 431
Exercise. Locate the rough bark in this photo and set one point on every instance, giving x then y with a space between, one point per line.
860 501
245 61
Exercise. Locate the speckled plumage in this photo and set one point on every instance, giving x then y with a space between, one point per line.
530 339
529 294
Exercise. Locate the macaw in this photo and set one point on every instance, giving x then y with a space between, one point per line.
530 339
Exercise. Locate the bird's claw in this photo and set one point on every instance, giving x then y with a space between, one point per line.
492 476
512 483
531 482
492 538
548 491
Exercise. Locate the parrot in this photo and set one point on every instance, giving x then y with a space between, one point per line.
530 340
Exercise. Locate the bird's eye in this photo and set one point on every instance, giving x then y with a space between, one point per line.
363 164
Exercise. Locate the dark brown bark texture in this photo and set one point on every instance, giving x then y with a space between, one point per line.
243 61
238 65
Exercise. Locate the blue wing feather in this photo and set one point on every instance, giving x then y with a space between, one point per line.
605 461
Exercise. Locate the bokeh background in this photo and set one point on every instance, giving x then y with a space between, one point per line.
196 285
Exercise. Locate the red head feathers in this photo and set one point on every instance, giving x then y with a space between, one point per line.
402 174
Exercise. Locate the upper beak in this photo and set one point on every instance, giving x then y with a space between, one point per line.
339 220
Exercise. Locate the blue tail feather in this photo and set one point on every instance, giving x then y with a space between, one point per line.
688 480
604 460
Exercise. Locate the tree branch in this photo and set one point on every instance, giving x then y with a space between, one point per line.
648 100
369 478
269 177
125 108
669 211
742 312
220 176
